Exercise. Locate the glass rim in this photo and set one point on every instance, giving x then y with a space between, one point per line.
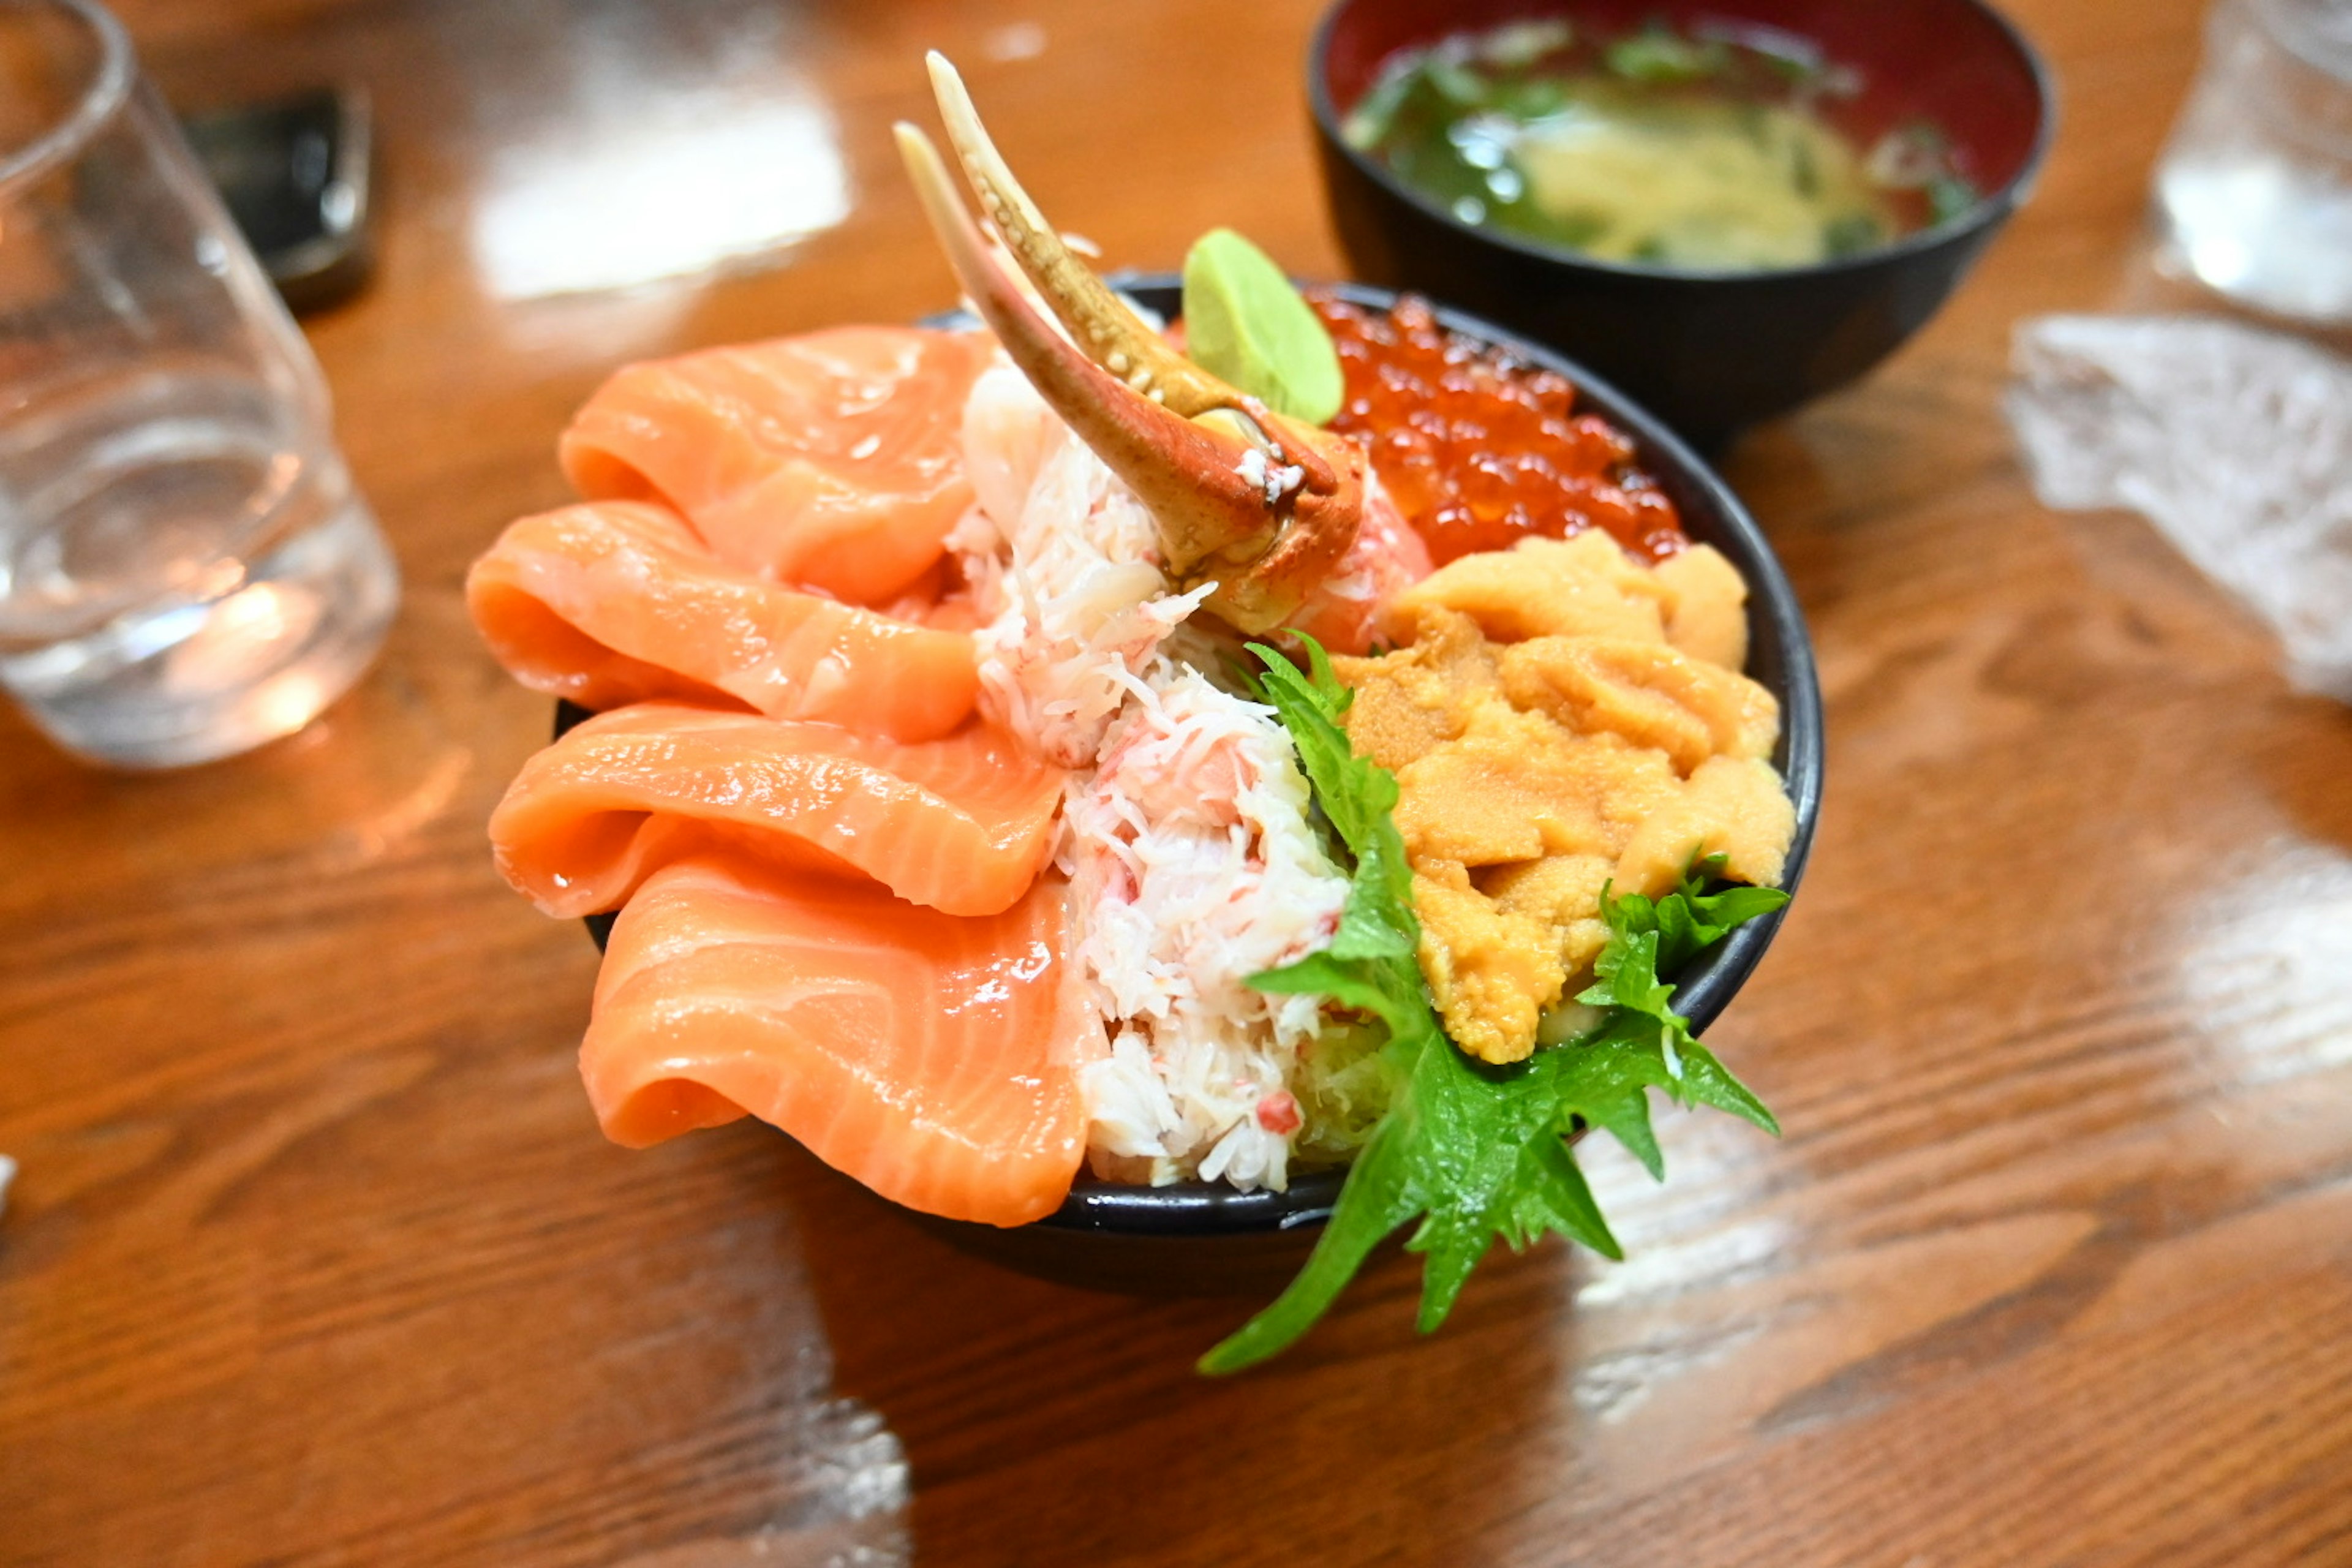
100 102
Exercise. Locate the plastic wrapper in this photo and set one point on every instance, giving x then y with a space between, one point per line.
2236 443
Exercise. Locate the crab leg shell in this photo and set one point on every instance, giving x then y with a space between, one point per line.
1102 324
1188 478
1110 333
1268 544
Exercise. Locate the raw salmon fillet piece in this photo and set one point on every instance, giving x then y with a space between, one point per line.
615 602
931 1057
961 824
832 460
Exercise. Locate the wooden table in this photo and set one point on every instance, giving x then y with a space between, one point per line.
317 1257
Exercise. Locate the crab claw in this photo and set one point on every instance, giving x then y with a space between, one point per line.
1263 505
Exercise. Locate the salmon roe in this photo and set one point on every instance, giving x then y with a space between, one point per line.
1480 449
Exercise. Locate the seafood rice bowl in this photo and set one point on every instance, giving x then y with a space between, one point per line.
1294 737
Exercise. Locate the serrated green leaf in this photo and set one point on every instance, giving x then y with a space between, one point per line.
1366 985
1365 932
1706 1081
1615 1099
1358 797
1554 1196
1376 1199
1473 1152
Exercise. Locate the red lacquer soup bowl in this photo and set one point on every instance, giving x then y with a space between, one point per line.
1709 353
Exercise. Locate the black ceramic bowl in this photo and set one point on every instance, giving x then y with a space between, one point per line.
1204 1238
1709 353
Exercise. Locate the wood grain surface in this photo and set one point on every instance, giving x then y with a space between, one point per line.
317 1257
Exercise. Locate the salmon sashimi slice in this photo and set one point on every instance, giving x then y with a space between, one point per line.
961 824
933 1059
834 459
617 602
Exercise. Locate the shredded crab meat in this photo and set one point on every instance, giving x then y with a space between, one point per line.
1186 832
1192 851
1065 562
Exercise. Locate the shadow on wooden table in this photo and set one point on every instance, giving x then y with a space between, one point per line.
1048 1424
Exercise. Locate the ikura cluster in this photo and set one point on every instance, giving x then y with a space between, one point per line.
1480 450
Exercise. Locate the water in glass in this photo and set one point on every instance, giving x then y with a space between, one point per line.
186 570
2254 191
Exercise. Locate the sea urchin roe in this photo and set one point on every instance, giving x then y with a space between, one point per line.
1552 736
1480 449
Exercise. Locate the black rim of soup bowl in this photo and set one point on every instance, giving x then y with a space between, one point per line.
1600 286
1097 1237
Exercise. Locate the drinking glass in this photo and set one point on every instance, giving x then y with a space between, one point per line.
2255 192
186 570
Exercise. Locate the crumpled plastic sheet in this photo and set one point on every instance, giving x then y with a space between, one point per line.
2235 442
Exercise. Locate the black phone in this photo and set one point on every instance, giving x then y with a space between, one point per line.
296 173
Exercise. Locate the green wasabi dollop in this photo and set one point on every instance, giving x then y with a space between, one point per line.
1245 324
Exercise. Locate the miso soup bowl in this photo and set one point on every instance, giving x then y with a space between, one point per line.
1708 353
1205 1238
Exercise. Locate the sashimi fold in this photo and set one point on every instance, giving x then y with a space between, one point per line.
617 602
931 1057
832 459
963 824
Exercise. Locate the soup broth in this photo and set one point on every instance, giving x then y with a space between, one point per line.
1716 149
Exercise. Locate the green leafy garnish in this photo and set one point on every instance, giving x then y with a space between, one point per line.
1660 56
1471 1151
1950 196
1245 324
1849 234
